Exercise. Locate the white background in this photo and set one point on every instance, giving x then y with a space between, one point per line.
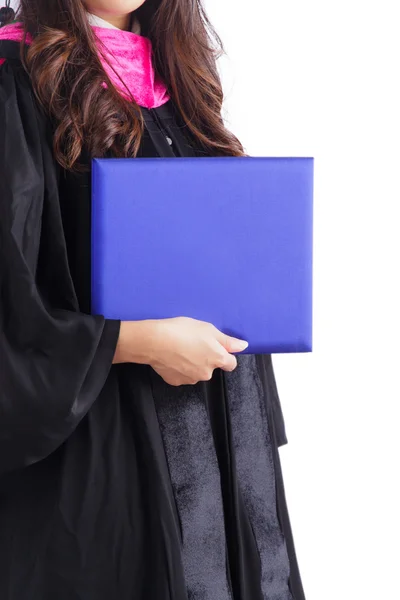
319 79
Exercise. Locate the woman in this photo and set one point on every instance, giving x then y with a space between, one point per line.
138 460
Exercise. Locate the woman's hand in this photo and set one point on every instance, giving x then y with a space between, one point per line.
181 350
187 350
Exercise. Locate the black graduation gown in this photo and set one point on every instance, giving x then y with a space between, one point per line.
114 484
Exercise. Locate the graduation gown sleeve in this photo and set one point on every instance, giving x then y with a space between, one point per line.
54 360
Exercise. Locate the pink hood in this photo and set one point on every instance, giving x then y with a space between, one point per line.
125 56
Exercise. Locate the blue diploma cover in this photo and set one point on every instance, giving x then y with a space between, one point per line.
222 239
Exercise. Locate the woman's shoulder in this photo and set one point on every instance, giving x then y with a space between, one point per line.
18 103
24 127
11 64
21 119
10 37
13 75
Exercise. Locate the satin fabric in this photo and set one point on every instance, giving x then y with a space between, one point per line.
114 484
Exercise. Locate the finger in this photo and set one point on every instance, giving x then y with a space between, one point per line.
177 381
174 378
229 363
231 344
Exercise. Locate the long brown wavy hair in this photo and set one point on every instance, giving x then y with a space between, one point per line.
67 76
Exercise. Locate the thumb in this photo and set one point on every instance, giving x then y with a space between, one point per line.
232 344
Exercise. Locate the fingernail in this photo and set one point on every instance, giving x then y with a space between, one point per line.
242 345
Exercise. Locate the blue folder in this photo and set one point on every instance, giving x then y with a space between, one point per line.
227 240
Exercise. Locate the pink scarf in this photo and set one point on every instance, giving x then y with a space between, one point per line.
130 57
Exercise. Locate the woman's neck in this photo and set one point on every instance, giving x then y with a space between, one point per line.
123 22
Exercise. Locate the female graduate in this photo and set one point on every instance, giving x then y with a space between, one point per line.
138 460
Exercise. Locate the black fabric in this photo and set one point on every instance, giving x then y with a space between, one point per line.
267 376
103 486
